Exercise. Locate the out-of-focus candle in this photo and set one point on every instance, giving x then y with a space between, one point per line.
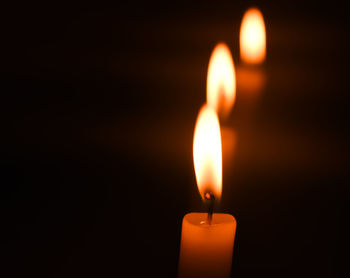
207 244
221 80
252 37
221 96
251 77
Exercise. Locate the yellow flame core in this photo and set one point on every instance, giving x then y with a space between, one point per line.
253 37
221 80
207 155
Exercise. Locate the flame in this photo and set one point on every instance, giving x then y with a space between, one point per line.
221 80
253 37
207 155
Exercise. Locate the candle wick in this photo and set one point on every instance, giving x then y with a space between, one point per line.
209 196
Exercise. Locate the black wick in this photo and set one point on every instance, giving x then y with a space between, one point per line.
209 196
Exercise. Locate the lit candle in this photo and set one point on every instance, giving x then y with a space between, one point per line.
252 37
221 96
221 80
252 41
207 238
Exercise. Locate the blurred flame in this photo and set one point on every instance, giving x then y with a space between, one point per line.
253 37
207 155
221 80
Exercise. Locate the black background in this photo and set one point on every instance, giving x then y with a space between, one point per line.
98 109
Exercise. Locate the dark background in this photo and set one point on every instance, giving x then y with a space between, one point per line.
98 109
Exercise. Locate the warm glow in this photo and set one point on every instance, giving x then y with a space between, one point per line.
253 37
207 154
221 80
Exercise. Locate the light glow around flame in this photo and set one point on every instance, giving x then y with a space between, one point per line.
207 154
252 37
221 80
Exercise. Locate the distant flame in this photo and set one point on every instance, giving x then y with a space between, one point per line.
207 155
221 80
253 37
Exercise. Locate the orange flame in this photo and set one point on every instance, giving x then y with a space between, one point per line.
221 80
252 37
207 155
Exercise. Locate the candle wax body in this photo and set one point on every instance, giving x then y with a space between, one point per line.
251 80
206 250
229 142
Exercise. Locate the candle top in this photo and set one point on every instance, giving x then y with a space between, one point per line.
200 219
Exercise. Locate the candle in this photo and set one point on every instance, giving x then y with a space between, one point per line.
251 77
252 37
207 238
206 250
221 96
221 81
